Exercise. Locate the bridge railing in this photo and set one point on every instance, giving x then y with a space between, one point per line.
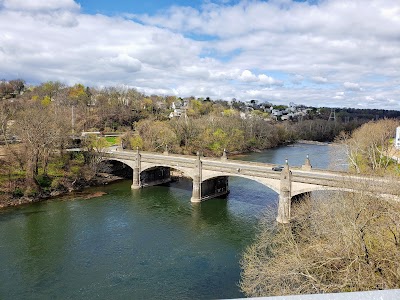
313 176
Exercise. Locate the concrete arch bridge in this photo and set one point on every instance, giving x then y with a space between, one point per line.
210 176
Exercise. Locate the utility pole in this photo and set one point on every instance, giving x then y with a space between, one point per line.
332 116
73 120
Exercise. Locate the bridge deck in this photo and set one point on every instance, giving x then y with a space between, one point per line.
224 167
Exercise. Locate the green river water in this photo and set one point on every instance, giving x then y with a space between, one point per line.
146 244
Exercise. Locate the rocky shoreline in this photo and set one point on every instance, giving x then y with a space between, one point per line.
312 142
7 200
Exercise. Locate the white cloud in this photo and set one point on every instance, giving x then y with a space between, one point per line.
254 47
269 80
248 76
297 79
339 95
39 5
369 98
126 63
351 86
319 79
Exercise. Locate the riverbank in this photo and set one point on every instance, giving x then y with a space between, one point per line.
8 200
308 142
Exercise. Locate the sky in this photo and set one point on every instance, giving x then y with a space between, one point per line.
332 53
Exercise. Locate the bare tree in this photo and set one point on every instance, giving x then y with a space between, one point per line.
368 146
94 147
7 111
41 129
339 243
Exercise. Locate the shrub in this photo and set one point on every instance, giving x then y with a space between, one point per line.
348 242
44 181
17 193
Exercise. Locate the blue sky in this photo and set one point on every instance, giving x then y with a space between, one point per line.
132 6
145 6
318 53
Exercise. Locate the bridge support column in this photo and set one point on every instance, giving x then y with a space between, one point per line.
307 164
196 193
136 172
285 197
136 179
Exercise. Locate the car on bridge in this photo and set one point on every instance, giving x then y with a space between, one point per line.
277 168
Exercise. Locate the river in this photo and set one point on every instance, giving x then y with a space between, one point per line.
146 244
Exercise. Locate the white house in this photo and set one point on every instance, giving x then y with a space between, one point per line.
397 141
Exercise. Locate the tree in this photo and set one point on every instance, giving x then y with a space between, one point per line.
40 136
368 146
50 89
344 243
17 85
136 142
79 93
7 111
94 146
156 135
6 89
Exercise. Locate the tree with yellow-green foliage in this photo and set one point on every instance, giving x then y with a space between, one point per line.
136 142
156 135
368 146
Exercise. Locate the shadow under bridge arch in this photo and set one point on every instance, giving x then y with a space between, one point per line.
244 188
117 167
154 174
271 183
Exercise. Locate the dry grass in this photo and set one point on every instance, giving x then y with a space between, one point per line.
341 243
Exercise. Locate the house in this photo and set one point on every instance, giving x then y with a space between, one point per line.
397 141
178 110
276 112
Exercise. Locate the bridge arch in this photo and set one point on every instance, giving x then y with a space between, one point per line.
273 184
185 171
129 163
303 188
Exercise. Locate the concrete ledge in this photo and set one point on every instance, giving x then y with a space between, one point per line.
368 295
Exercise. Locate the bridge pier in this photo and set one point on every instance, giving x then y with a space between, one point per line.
136 172
285 196
209 189
136 179
196 191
